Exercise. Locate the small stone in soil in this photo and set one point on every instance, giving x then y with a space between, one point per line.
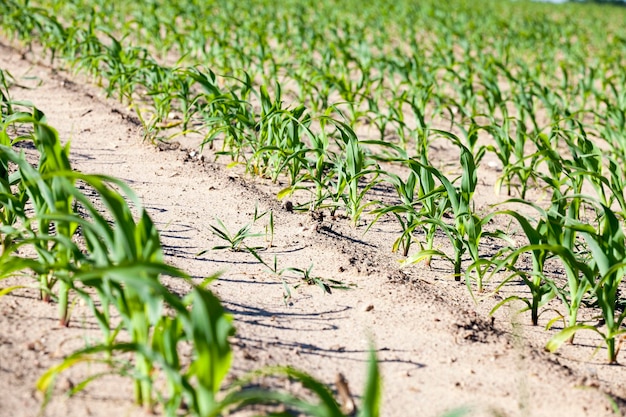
338 348
288 206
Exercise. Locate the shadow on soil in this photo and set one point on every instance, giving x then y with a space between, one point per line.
305 322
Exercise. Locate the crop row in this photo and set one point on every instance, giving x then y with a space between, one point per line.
486 84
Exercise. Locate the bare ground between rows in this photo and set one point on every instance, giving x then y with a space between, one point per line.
437 348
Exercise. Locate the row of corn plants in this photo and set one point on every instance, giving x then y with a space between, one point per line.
84 236
398 88
555 125
363 65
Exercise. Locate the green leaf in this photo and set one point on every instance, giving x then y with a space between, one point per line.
211 329
423 254
372 394
285 192
5 291
566 334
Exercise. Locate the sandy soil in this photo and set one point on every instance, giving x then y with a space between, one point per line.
438 349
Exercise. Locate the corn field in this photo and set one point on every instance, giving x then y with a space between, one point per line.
329 101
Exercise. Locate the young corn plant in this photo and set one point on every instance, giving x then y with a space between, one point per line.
319 169
235 241
616 183
466 231
280 147
309 278
319 165
511 141
541 289
48 189
551 237
6 105
352 169
603 276
224 113
13 197
13 201
421 202
405 212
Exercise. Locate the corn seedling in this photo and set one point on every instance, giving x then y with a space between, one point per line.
603 276
541 290
309 278
351 171
458 200
235 241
